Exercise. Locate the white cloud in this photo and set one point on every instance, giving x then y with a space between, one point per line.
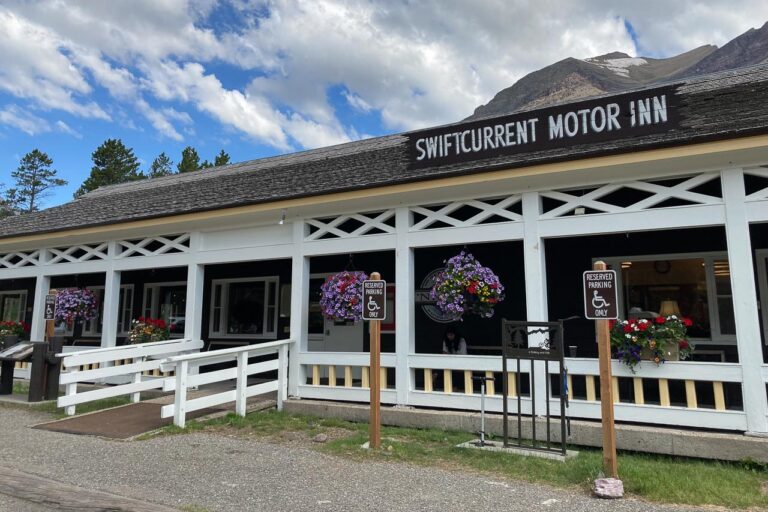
13 115
414 64
65 128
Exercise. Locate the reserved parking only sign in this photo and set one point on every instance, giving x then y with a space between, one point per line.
374 300
600 297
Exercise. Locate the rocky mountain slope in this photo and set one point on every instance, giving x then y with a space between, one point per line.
573 79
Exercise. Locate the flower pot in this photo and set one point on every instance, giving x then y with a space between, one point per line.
670 352
8 341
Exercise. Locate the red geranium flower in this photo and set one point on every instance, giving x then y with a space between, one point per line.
687 322
643 326
472 288
628 328
660 319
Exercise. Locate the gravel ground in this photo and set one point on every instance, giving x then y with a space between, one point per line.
228 474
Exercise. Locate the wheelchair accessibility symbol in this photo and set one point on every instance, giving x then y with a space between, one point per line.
374 300
372 305
598 302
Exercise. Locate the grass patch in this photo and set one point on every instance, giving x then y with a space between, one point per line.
20 388
96 405
652 477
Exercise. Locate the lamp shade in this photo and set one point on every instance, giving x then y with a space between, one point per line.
669 307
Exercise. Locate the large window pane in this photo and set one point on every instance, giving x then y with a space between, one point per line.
173 307
316 320
664 287
246 308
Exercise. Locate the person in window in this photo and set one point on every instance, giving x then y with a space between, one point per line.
453 343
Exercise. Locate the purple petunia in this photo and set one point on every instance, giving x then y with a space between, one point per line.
465 286
76 304
341 296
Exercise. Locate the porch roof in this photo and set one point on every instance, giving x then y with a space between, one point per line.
713 107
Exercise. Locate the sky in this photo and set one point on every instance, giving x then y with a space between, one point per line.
261 78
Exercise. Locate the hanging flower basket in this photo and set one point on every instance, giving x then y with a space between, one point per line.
659 340
76 305
145 330
465 286
341 296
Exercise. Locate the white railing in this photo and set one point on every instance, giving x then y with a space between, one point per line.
127 361
185 378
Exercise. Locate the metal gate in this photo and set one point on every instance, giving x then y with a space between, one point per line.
547 346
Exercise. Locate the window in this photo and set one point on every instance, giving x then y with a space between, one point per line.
124 316
13 305
244 308
169 302
695 286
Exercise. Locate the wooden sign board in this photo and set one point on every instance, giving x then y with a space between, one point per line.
600 297
18 352
374 300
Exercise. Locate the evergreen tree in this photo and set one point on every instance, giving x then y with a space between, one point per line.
161 166
190 160
34 179
206 164
221 159
112 163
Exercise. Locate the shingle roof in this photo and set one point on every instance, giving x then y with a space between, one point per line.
723 105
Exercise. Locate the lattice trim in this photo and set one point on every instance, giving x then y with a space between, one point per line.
154 246
762 194
365 224
447 216
20 259
79 253
659 193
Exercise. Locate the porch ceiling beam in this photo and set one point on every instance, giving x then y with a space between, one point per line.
757 211
347 245
503 231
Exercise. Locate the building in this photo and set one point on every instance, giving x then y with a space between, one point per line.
669 185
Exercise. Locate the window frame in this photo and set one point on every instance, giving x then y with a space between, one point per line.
709 257
153 310
220 331
92 331
22 309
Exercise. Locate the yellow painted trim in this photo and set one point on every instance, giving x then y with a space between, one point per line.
719 396
315 375
664 393
512 385
490 385
448 381
383 378
468 388
366 383
590 381
615 384
427 380
690 394
332 376
347 376
650 155
639 394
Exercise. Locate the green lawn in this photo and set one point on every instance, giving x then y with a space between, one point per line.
651 477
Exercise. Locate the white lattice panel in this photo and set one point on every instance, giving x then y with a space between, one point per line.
466 213
637 196
153 246
78 253
20 259
762 193
351 225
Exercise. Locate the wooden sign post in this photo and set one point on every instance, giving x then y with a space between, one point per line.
600 304
375 310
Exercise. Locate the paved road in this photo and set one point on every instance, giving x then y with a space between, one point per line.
230 474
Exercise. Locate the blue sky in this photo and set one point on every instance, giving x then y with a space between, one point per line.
259 78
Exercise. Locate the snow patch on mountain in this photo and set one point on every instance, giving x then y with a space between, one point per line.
619 66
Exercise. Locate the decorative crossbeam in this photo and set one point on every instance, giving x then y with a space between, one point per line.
762 194
20 259
335 227
154 246
447 214
78 253
659 194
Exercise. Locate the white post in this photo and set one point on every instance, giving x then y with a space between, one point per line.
136 397
282 376
193 316
241 386
180 399
535 285
42 287
111 308
71 389
299 309
405 326
744 301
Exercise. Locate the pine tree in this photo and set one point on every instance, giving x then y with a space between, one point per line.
221 159
161 166
206 164
34 179
112 163
190 160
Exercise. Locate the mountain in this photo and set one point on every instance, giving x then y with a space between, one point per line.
573 79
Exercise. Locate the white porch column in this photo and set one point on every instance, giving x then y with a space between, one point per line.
42 287
299 309
193 315
535 284
744 300
111 308
405 330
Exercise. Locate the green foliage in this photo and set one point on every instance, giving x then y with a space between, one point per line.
34 178
190 160
113 163
161 166
221 159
